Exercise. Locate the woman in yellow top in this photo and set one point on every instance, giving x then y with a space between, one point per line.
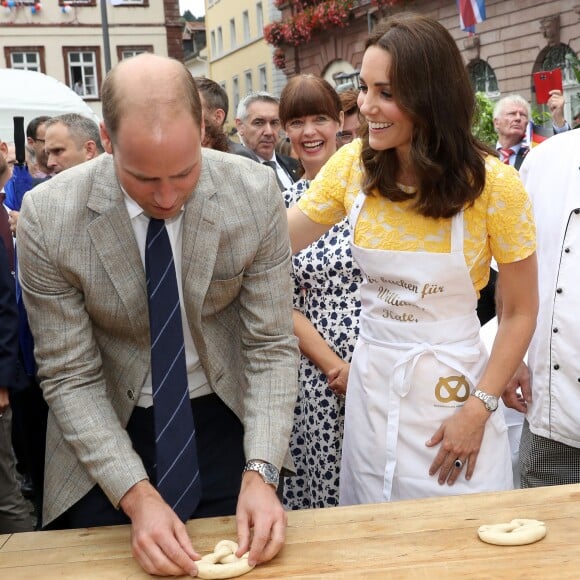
429 206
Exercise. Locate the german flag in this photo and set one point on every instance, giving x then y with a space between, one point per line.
533 137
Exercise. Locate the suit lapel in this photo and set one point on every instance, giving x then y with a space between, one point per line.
114 242
200 242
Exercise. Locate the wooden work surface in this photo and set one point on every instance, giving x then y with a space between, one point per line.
423 539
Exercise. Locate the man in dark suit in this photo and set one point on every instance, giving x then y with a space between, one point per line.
258 124
14 513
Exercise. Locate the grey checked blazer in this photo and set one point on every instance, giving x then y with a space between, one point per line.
84 288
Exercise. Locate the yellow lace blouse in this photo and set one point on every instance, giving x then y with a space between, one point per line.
499 224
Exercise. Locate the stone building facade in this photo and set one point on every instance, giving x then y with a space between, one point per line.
517 38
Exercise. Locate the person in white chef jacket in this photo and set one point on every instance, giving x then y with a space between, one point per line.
550 441
429 207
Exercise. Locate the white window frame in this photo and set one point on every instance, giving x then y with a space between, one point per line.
260 18
249 81
90 82
25 64
263 75
246 20
236 91
220 41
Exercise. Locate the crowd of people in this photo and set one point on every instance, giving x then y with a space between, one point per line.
200 327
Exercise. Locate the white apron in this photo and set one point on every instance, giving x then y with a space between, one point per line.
418 357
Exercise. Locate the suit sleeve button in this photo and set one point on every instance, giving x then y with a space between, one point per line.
130 394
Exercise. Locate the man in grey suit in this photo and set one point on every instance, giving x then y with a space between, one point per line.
258 124
82 247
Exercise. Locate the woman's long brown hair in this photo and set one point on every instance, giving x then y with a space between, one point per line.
430 84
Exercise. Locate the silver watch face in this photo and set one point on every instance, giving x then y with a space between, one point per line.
491 403
270 473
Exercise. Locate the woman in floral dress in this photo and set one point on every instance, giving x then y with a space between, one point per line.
326 305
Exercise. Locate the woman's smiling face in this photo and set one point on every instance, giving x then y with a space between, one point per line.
389 126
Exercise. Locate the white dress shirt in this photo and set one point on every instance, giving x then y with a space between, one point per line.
197 381
283 176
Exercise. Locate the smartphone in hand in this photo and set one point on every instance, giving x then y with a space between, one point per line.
546 81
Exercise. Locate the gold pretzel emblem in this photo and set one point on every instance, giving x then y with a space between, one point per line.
453 388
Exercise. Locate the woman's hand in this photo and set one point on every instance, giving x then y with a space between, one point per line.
338 379
460 437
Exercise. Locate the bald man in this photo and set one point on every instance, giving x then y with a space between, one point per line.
82 268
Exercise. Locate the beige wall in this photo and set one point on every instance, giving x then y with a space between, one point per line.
510 40
81 27
244 55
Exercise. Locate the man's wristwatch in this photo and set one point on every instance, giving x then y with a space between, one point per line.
269 472
490 401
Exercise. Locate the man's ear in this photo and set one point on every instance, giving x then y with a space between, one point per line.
220 116
3 149
240 127
105 139
90 149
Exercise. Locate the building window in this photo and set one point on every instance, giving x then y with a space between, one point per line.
236 91
249 83
233 42
130 2
260 18
246 18
83 70
77 2
124 52
263 78
213 46
220 41
482 77
25 57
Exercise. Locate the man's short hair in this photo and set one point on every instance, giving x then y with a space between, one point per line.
81 128
244 104
213 94
349 101
508 100
32 127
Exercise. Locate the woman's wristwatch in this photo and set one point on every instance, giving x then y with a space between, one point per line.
268 471
490 401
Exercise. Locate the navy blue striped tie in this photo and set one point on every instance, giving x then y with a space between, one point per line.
177 467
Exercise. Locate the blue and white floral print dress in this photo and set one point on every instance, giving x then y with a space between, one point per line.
326 292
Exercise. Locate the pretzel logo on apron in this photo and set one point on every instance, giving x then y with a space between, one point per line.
452 388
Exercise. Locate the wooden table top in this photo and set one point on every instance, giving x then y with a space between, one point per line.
421 539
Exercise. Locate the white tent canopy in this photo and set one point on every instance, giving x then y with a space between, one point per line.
30 94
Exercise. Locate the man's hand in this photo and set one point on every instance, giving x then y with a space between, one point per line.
4 400
13 221
518 392
159 539
259 511
556 105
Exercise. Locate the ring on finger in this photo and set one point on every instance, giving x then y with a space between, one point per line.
458 463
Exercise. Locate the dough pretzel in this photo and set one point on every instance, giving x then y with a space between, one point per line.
223 562
516 533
